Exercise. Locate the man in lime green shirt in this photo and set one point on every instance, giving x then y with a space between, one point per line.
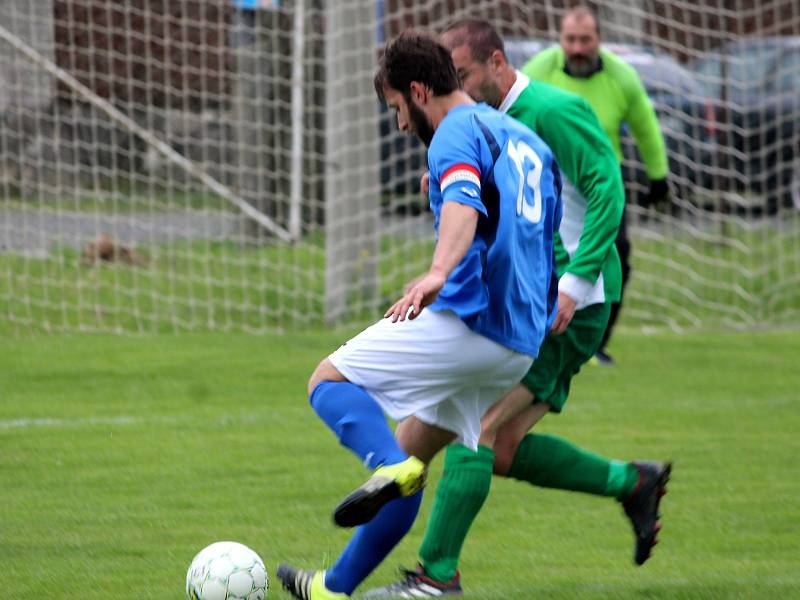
589 280
613 89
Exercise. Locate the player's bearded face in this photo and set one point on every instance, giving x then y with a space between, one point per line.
581 42
419 123
475 76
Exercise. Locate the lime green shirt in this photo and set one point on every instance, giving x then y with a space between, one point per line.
593 197
617 95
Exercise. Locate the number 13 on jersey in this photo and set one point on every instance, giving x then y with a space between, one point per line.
530 177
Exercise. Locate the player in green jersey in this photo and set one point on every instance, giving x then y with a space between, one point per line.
613 89
589 280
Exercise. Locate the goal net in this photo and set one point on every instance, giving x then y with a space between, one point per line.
224 164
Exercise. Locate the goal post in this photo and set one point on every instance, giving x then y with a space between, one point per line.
352 190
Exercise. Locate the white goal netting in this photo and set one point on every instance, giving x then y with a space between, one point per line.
224 164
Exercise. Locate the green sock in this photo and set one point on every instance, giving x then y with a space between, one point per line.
553 462
460 495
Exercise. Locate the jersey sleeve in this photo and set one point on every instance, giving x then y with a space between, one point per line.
587 158
454 161
642 119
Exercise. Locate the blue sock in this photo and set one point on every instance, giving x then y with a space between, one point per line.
372 543
357 421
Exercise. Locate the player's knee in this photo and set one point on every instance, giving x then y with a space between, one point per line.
508 439
504 451
325 371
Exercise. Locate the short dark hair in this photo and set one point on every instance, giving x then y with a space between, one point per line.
481 37
415 56
584 10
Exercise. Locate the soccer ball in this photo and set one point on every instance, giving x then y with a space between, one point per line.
227 571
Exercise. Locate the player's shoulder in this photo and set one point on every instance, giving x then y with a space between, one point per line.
549 110
456 125
620 71
544 62
455 134
550 96
466 122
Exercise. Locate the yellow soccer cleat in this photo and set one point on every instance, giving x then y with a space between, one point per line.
386 484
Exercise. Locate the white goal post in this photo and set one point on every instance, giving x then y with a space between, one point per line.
222 164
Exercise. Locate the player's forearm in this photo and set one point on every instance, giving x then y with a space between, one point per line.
457 227
654 155
647 133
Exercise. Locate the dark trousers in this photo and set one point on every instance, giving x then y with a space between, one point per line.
623 245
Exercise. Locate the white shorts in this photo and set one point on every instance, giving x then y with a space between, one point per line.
434 368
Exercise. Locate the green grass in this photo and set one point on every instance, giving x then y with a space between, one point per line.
120 457
190 286
736 278
731 276
184 286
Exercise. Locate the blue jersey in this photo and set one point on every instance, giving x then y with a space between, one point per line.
505 287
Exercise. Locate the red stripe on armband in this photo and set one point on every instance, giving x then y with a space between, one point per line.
460 172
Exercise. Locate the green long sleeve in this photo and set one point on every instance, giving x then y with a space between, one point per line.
585 244
586 157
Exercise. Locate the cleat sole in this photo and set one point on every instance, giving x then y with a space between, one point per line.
362 505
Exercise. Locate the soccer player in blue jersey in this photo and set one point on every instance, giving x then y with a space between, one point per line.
488 298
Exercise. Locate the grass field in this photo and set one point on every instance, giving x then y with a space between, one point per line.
120 457
739 277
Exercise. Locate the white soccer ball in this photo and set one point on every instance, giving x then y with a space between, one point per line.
227 571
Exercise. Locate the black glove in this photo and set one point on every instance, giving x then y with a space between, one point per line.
659 192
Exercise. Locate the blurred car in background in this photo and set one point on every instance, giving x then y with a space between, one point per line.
685 112
755 83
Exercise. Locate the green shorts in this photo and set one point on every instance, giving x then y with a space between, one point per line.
562 356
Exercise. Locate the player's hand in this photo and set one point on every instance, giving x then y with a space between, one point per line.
658 193
425 183
564 314
419 295
412 283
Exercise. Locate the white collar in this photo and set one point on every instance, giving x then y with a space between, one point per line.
520 84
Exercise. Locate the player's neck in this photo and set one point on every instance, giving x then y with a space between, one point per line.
444 104
506 81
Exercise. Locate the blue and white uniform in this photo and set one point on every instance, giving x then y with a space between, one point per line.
478 339
503 288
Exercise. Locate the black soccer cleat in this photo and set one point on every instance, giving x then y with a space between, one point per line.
386 484
604 358
416 584
296 581
641 506
306 585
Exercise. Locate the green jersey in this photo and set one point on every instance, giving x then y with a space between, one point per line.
593 197
616 94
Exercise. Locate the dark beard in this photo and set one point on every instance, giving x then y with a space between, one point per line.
583 68
420 124
490 94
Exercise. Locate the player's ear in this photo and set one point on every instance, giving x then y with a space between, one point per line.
419 93
497 60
